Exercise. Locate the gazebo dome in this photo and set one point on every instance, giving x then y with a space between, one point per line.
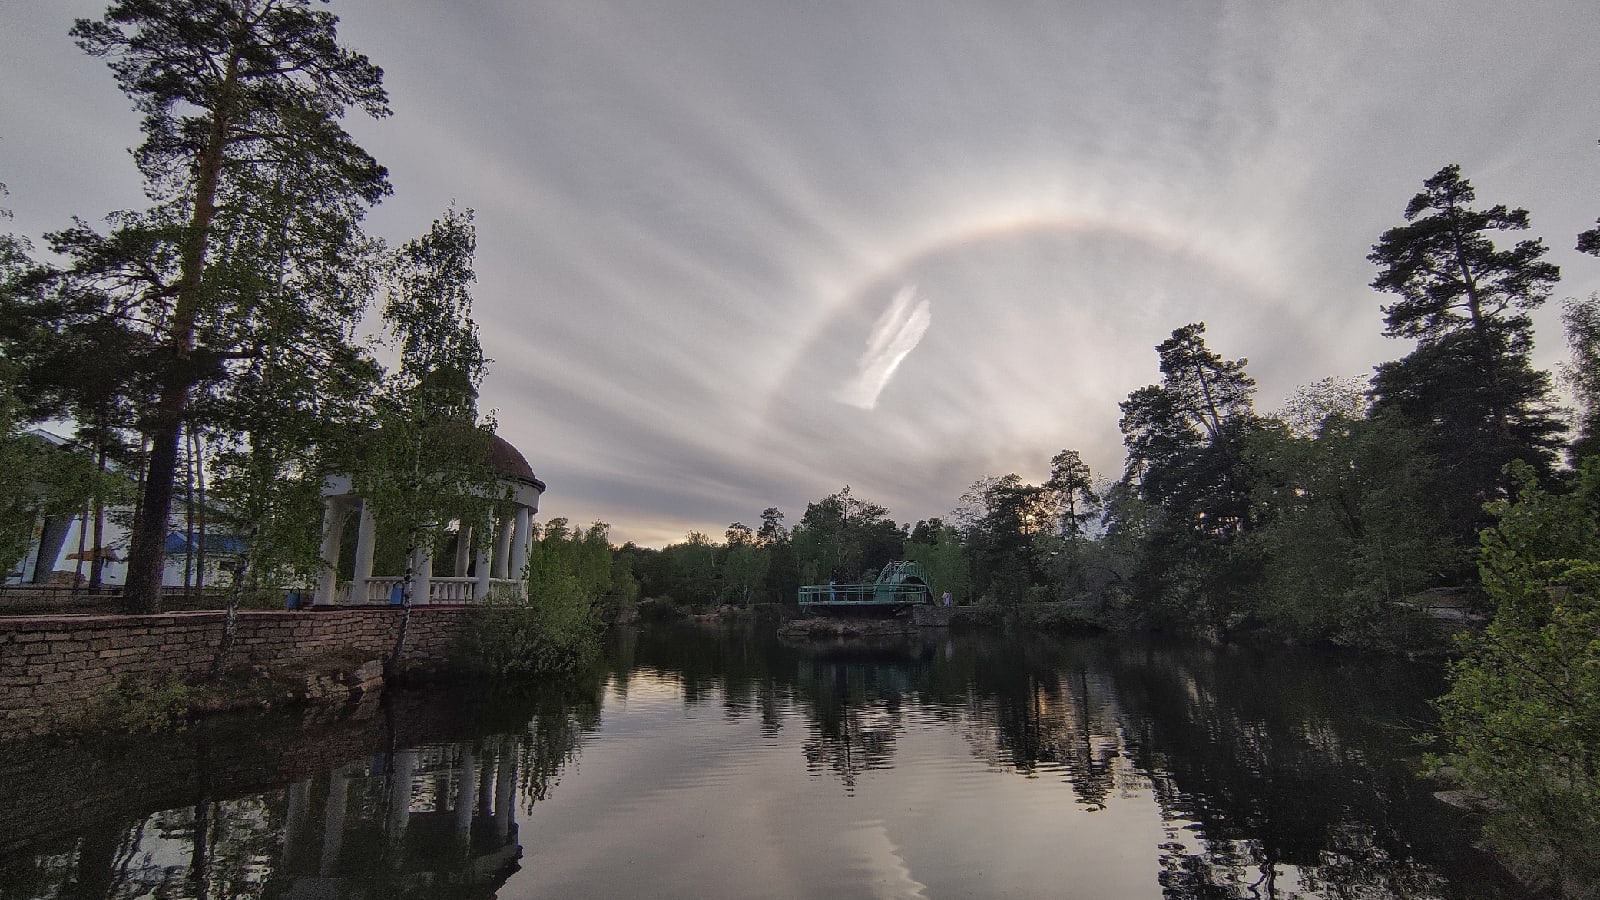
508 462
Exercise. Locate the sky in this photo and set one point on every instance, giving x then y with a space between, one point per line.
739 254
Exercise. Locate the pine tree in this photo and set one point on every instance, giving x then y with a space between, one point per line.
1469 386
230 90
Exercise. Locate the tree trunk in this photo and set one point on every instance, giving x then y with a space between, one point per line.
143 591
230 622
200 490
97 569
188 512
392 665
83 540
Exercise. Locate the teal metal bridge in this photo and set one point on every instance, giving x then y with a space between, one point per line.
900 583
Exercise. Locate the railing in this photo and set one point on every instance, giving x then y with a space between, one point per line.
440 590
862 594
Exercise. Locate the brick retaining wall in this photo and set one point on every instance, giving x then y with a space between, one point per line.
52 668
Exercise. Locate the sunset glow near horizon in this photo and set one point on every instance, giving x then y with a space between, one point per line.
738 255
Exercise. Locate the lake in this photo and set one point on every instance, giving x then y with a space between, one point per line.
716 762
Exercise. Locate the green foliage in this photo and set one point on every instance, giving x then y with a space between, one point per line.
1345 534
1469 386
1070 493
1188 484
744 566
554 630
428 462
146 704
1582 374
845 538
291 410
238 97
938 550
1522 717
603 577
692 570
1447 273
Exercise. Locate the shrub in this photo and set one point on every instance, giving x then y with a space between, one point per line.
147 704
1523 713
554 631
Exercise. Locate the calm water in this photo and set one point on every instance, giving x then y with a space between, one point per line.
710 763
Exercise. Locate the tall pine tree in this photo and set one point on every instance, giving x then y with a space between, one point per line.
227 87
1469 387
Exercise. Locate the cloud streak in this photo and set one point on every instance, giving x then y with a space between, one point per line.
897 332
698 223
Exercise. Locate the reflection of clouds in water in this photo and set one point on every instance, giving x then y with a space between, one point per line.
878 853
896 334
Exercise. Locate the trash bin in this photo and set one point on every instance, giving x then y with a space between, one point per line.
395 595
292 601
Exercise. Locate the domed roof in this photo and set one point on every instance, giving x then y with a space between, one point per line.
508 462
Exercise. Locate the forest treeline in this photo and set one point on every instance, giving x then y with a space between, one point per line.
1331 520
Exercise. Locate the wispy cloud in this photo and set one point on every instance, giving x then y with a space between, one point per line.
896 334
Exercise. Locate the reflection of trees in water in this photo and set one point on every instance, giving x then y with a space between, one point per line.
1280 775
1286 776
1055 722
1352 866
855 713
432 821
551 740
748 671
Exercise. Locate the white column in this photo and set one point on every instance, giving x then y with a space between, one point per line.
333 821
422 572
294 820
486 787
366 534
333 515
502 546
463 549
466 787
505 793
480 590
519 547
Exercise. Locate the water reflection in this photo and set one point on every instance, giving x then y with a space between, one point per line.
1128 768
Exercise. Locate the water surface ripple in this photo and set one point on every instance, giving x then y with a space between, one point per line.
704 762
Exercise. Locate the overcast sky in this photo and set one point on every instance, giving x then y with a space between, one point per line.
738 254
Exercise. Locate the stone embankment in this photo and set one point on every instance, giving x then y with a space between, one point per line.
827 627
56 670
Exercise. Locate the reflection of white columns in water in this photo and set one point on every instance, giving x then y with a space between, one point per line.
443 790
480 590
333 513
505 791
466 777
463 550
519 546
405 766
486 788
502 546
366 534
294 819
333 821
422 571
